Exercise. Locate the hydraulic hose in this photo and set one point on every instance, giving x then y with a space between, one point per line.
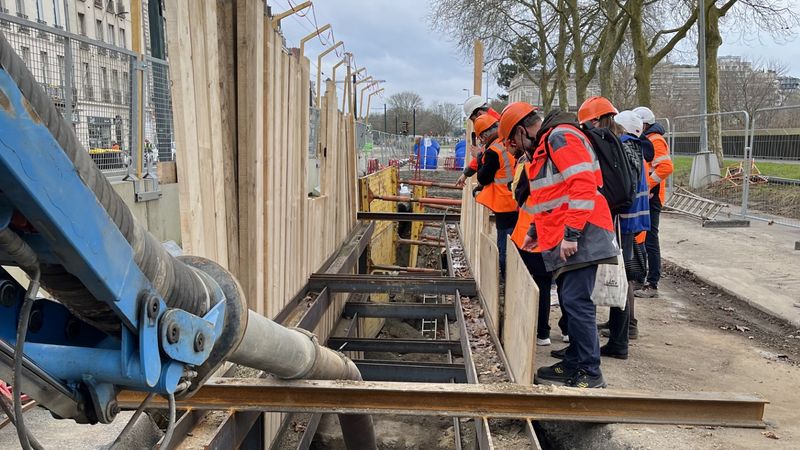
174 281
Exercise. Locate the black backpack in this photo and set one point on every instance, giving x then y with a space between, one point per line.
619 177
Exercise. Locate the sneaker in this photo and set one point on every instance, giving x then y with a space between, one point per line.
559 354
602 326
555 374
648 291
543 342
585 381
565 338
611 353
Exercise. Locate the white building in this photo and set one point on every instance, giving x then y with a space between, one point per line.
522 89
100 67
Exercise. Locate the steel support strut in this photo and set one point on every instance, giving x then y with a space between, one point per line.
470 400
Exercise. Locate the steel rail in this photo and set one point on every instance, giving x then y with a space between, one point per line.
471 400
408 216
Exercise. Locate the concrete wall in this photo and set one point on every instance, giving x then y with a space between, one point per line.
161 217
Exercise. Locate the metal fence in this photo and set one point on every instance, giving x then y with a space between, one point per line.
381 148
773 167
685 140
92 85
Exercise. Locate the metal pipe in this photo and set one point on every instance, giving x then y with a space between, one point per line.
445 208
404 268
431 184
422 200
416 242
294 354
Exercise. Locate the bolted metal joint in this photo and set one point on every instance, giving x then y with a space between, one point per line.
151 305
112 409
173 333
199 342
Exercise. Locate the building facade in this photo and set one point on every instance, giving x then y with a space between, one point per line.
80 51
522 89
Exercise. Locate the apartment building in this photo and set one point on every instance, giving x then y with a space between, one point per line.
98 64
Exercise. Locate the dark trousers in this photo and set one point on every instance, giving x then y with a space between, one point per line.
544 280
502 233
575 289
652 245
621 320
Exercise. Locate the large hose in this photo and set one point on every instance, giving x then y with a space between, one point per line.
174 281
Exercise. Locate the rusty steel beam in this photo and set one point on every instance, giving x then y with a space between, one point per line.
402 241
432 184
405 268
408 216
472 400
421 200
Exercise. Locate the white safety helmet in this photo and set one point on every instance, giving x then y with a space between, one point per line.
646 114
630 121
473 103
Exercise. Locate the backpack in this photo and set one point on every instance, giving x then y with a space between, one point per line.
619 176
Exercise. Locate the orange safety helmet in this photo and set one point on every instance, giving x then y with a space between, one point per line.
595 108
484 123
511 116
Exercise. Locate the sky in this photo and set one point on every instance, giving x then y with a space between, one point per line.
394 41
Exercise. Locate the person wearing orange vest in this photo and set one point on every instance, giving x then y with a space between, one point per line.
494 175
475 107
657 173
527 115
572 227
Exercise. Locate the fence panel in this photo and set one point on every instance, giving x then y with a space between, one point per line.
773 168
731 135
91 83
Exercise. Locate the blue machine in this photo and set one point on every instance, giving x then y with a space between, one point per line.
76 368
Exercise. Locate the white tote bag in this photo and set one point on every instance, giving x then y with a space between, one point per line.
611 285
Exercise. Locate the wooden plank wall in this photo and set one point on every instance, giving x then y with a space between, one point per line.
241 109
489 279
383 245
521 310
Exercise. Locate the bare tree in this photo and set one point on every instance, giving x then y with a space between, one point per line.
747 86
650 50
444 118
776 17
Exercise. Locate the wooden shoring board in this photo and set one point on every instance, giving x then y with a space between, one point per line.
383 246
183 100
205 157
250 30
271 158
521 310
226 48
489 277
416 226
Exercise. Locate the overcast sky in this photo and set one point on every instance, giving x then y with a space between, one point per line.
393 39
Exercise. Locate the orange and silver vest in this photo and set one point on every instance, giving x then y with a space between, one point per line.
496 196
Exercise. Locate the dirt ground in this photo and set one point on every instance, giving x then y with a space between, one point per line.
695 338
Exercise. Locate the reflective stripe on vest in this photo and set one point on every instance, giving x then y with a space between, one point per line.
546 206
660 159
636 214
506 166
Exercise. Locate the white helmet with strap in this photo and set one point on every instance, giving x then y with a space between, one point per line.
630 121
473 103
646 114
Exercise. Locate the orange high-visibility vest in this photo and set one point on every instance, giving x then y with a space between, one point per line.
661 168
496 196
